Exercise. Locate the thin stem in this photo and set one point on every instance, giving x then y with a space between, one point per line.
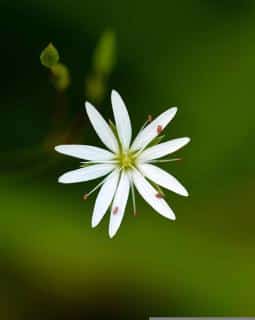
164 160
86 195
99 161
149 119
133 197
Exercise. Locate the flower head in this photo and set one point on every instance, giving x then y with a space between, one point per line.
125 166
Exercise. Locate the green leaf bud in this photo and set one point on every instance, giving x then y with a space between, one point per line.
49 56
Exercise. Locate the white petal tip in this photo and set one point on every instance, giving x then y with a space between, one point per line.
114 93
183 192
62 180
185 141
172 112
171 216
61 149
112 234
88 105
65 179
94 224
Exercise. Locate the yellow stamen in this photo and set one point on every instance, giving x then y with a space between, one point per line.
126 160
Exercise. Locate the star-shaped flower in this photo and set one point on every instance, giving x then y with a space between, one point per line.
125 165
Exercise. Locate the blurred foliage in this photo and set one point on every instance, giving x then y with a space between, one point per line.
60 76
95 87
104 59
105 53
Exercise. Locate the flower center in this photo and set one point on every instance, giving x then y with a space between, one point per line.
126 160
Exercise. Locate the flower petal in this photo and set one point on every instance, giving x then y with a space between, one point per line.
162 178
122 119
85 174
151 131
119 204
85 152
163 149
150 196
104 197
101 127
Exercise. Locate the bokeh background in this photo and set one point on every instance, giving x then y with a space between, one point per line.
198 55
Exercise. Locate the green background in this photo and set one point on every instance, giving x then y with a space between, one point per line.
198 55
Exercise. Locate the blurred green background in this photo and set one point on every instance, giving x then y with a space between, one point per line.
198 55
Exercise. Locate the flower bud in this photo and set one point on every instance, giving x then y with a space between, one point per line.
49 56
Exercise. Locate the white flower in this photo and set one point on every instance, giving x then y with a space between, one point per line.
125 165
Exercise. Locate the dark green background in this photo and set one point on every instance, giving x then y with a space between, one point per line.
198 55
